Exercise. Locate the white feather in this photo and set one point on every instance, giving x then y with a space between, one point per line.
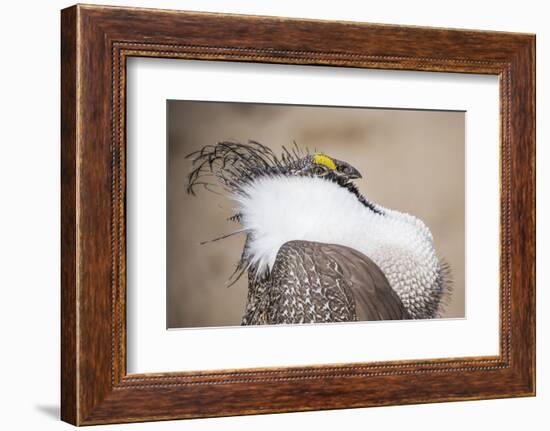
279 209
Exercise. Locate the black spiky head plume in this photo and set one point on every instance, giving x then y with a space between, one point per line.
234 165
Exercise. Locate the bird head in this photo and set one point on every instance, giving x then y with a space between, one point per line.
235 165
321 165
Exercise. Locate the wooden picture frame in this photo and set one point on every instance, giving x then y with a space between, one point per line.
95 43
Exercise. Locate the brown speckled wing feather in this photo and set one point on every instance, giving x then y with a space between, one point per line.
314 282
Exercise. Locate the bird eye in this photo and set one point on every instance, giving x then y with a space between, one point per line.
319 170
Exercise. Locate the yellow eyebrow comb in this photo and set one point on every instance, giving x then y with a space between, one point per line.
324 160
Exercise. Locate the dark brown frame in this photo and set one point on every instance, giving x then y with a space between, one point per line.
95 43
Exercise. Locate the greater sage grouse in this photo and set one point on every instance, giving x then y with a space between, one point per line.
316 249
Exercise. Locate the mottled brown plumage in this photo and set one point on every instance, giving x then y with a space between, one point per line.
314 282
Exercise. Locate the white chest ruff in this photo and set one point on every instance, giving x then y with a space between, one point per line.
276 210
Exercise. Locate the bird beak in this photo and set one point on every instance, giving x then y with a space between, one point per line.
355 174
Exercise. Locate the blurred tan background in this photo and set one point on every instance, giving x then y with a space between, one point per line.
411 161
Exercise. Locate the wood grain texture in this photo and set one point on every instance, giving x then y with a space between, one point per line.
68 218
96 41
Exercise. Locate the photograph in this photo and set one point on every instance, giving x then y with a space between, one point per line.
296 214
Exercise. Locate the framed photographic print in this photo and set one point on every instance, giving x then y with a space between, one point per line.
264 214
